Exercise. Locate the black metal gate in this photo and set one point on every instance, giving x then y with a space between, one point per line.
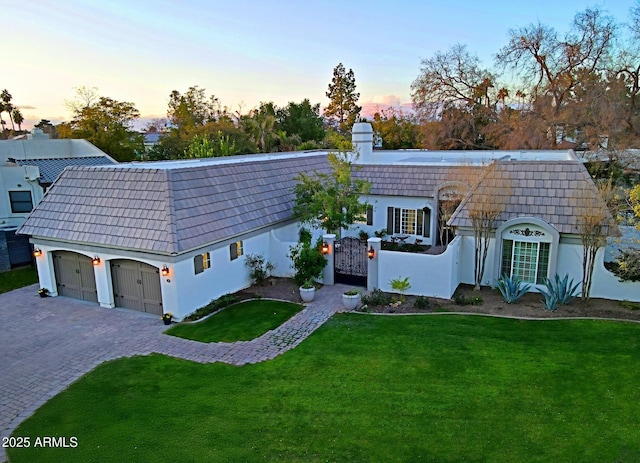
350 261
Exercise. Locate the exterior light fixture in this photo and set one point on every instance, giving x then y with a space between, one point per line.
164 271
37 252
325 247
371 253
95 260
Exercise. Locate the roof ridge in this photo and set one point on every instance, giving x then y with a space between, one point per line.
171 214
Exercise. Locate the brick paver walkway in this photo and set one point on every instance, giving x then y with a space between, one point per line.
48 343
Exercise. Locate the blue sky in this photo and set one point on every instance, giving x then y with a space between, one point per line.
247 51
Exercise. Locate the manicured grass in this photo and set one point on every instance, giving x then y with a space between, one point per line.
240 322
17 278
368 389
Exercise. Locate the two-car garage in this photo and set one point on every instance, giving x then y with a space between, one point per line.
136 285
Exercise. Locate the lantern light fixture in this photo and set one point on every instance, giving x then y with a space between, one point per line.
325 247
95 260
164 271
37 252
371 253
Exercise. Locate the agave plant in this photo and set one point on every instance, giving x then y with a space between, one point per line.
512 288
559 292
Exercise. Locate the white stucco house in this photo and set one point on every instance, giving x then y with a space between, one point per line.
170 236
27 168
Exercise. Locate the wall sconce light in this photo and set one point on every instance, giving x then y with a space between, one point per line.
164 271
95 260
37 252
371 253
325 247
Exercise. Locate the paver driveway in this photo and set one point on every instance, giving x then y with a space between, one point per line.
47 343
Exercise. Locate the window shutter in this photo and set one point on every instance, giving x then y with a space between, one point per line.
389 220
233 248
427 222
396 225
369 215
198 264
419 222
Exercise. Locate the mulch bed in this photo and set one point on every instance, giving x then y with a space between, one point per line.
492 303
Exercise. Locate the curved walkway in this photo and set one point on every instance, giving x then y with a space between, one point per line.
48 343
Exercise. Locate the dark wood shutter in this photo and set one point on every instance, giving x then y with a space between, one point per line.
397 220
426 232
389 220
233 249
369 215
198 264
419 222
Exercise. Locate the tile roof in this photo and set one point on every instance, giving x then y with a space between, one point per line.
556 192
167 210
406 180
50 169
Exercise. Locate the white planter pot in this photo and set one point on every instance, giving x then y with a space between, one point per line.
350 302
307 295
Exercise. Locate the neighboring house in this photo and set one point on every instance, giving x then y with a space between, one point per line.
27 168
170 236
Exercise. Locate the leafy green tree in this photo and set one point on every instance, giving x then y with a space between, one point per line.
192 109
301 119
397 130
331 200
343 109
107 123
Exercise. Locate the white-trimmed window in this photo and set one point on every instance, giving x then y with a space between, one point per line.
527 260
235 250
409 221
201 262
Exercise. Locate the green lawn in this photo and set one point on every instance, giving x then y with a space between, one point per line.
17 278
241 322
368 389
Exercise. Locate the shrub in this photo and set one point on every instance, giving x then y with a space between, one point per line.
376 298
308 261
512 289
259 270
461 299
214 305
400 285
629 305
421 302
559 292
628 265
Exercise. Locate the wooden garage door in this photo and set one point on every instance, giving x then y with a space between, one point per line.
136 286
75 276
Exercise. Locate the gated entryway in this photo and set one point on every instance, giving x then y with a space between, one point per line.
75 276
350 261
136 286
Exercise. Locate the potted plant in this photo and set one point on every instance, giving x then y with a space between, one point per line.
167 318
307 291
43 292
363 235
351 299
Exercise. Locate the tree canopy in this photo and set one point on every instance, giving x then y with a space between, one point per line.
342 109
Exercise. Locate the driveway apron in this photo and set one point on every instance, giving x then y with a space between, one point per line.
48 343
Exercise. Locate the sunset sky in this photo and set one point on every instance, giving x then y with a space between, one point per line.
246 51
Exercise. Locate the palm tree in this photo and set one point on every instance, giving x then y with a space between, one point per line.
503 93
6 98
18 118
